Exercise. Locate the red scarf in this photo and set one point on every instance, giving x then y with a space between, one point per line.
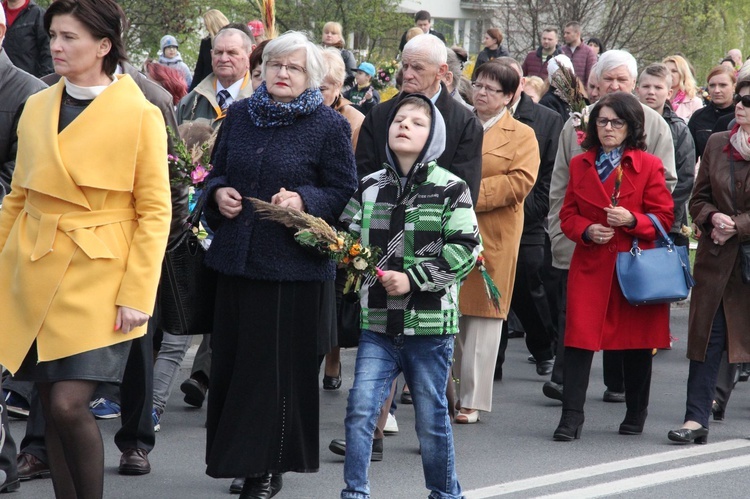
730 149
12 14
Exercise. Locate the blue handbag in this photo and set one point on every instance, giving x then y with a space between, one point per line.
656 275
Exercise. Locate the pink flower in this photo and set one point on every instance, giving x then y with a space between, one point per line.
198 175
387 78
580 136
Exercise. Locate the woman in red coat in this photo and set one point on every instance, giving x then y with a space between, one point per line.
611 189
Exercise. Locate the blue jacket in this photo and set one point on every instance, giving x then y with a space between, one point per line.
312 157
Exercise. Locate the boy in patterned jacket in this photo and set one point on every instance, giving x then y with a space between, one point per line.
422 217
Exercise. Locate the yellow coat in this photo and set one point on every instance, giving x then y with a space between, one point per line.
510 163
85 226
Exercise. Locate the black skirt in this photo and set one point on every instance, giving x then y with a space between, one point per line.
102 364
262 412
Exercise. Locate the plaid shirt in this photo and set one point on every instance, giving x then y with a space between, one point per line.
426 229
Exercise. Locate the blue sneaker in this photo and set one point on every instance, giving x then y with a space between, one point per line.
102 408
18 407
156 416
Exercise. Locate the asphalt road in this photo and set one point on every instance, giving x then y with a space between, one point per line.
509 453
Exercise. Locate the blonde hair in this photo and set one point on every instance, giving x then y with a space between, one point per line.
214 21
336 29
687 81
336 70
412 32
537 84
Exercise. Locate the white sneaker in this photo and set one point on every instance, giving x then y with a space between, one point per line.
391 426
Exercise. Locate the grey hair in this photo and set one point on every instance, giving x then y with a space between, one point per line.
454 66
292 41
335 64
247 43
509 61
612 59
429 46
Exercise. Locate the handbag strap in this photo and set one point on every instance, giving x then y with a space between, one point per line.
732 181
665 237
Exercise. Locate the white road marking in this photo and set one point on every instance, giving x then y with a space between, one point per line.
653 479
602 469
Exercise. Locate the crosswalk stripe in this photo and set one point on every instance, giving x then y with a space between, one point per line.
653 479
604 468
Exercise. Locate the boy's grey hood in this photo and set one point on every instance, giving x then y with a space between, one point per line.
435 141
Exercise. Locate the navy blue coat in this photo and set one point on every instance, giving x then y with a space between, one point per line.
312 157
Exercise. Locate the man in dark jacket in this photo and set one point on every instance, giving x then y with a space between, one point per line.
654 89
463 145
531 300
15 87
26 40
535 63
136 437
423 21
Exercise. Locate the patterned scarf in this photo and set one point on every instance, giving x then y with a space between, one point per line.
677 99
606 162
266 112
739 144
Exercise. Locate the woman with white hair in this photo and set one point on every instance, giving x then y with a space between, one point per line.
285 146
551 99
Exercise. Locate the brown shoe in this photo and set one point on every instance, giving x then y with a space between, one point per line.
30 467
134 462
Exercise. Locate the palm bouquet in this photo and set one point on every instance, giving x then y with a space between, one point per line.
341 246
568 88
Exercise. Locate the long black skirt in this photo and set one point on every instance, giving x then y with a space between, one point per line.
263 395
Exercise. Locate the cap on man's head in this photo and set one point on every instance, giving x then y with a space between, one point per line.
367 68
168 41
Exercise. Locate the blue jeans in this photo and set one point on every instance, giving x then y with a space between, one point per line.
425 362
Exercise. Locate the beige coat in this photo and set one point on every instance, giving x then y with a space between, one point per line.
85 226
510 162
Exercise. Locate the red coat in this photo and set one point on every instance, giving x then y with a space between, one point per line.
598 316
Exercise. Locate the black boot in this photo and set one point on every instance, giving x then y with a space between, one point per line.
571 424
257 487
633 422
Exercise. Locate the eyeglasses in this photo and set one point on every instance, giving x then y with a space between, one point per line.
292 69
490 90
616 123
745 99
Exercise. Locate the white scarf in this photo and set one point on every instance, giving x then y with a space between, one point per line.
492 121
741 142
85 93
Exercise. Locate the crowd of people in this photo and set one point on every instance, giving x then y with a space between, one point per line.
533 174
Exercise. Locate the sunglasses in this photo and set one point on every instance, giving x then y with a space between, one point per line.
745 99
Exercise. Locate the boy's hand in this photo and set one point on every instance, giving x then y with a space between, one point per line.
368 95
395 283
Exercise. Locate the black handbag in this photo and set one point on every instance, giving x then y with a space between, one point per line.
187 288
656 275
744 247
347 320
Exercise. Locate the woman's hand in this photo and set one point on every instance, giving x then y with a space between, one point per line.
599 234
288 199
129 319
229 201
724 228
617 216
395 283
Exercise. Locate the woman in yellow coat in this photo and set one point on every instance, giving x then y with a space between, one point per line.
510 162
82 234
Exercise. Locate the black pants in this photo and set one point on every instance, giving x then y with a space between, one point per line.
726 380
562 303
614 370
8 451
530 303
701 385
637 377
136 401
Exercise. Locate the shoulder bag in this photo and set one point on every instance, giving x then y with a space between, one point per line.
187 288
656 275
744 247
